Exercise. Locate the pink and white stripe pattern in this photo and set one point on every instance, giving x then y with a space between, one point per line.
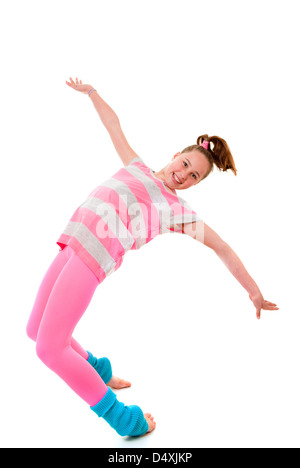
124 213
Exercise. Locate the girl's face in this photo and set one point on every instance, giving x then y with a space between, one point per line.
185 170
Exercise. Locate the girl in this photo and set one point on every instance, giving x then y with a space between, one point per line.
123 213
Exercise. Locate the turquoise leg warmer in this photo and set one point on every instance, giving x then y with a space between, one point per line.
102 366
126 420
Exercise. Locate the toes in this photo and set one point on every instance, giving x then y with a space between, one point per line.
118 383
124 383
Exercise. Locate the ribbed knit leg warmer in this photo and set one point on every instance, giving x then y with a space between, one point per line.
126 420
102 366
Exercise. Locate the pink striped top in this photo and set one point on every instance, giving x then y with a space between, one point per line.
124 213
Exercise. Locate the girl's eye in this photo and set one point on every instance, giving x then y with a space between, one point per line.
186 164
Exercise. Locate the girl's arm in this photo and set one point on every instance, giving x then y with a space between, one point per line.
203 233
105 112
110 121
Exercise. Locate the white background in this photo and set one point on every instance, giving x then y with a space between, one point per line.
173 320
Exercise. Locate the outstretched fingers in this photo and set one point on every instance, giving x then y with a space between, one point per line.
258 313
270 306
267 305
72 83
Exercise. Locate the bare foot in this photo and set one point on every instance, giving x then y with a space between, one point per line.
151 423
118 383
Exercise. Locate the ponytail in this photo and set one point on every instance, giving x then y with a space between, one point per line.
219 155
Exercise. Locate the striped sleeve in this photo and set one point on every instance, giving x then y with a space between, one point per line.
182 213
135 160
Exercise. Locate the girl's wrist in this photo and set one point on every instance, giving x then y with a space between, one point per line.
91 90
255 293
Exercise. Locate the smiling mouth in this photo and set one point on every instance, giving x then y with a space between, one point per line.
176 179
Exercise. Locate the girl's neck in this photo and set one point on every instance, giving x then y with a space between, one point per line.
158 175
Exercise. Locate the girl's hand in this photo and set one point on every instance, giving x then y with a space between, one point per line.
78 86
260 303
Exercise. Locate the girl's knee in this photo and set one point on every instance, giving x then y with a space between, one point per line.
47 353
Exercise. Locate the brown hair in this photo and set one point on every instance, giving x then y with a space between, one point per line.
220 155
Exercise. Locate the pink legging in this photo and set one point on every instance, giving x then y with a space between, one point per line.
62 299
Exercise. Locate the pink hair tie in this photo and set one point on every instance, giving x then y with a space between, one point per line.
205 144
